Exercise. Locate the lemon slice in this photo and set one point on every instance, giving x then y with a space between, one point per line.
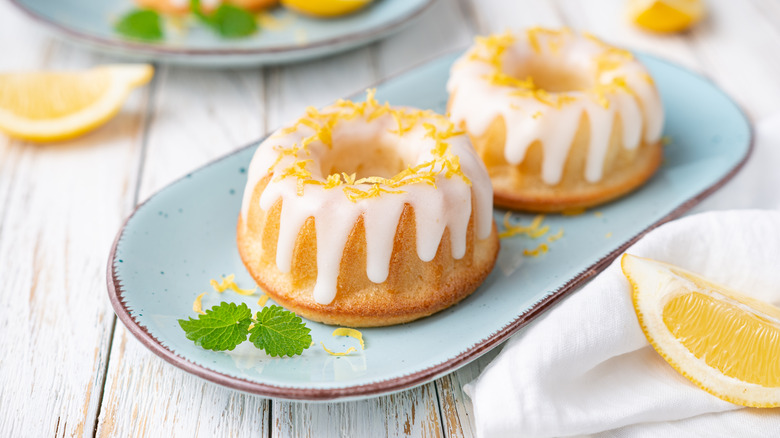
726 343
325 8
52 106
665 15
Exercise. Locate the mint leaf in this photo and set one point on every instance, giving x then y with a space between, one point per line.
280 332
222 327
233 22
141 24
228 21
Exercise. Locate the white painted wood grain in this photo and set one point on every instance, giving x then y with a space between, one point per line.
412 413
60 206
197 116
146 396
442 29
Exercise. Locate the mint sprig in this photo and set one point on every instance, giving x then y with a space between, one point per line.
277 331
222 328
227 20
141 24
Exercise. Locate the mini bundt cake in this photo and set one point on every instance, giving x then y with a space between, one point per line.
562 121
363 214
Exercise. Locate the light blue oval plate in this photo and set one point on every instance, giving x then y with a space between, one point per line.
298 38
183 236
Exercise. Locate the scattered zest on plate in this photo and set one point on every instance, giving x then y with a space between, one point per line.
349 332
534 230
277 331
724 342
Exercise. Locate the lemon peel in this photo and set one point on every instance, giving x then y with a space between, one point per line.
56 106
665 16
262 300
536 252
326 8
197 305
333 353
724 342
229 283
555 236
532 230
352 333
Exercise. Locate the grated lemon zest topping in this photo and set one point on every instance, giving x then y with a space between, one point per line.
555 236
532 230
536 252
197 305
491 49
229 283
608 235
444 163
352 333
263 299
598 214
333 353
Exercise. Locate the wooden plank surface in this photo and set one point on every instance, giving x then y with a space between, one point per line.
224 111
60 206
66 371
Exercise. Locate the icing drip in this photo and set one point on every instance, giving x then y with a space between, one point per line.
481 90
442 176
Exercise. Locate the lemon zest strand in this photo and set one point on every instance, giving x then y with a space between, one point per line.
536 252
333 353
197 305
555 236
352 333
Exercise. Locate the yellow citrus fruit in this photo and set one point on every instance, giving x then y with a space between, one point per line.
325 8
665 15
726 343
52 106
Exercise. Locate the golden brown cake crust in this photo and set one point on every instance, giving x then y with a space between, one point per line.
520 187
402 298
413 289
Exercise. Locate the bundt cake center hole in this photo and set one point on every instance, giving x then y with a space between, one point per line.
364 158
553 76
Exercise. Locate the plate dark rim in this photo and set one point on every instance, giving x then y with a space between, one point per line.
150 49
381 387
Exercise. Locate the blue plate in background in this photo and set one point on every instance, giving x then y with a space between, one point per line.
184 235
297 37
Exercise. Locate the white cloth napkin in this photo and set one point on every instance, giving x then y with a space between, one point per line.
585 367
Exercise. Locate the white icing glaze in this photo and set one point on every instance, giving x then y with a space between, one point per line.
446 206
477 102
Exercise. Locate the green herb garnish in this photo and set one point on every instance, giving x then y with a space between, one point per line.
277 331
228 21
141 24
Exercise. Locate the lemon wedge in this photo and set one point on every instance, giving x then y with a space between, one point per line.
53 106
325 8
665 16
724 342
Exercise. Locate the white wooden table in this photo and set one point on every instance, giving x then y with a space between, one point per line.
68 369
